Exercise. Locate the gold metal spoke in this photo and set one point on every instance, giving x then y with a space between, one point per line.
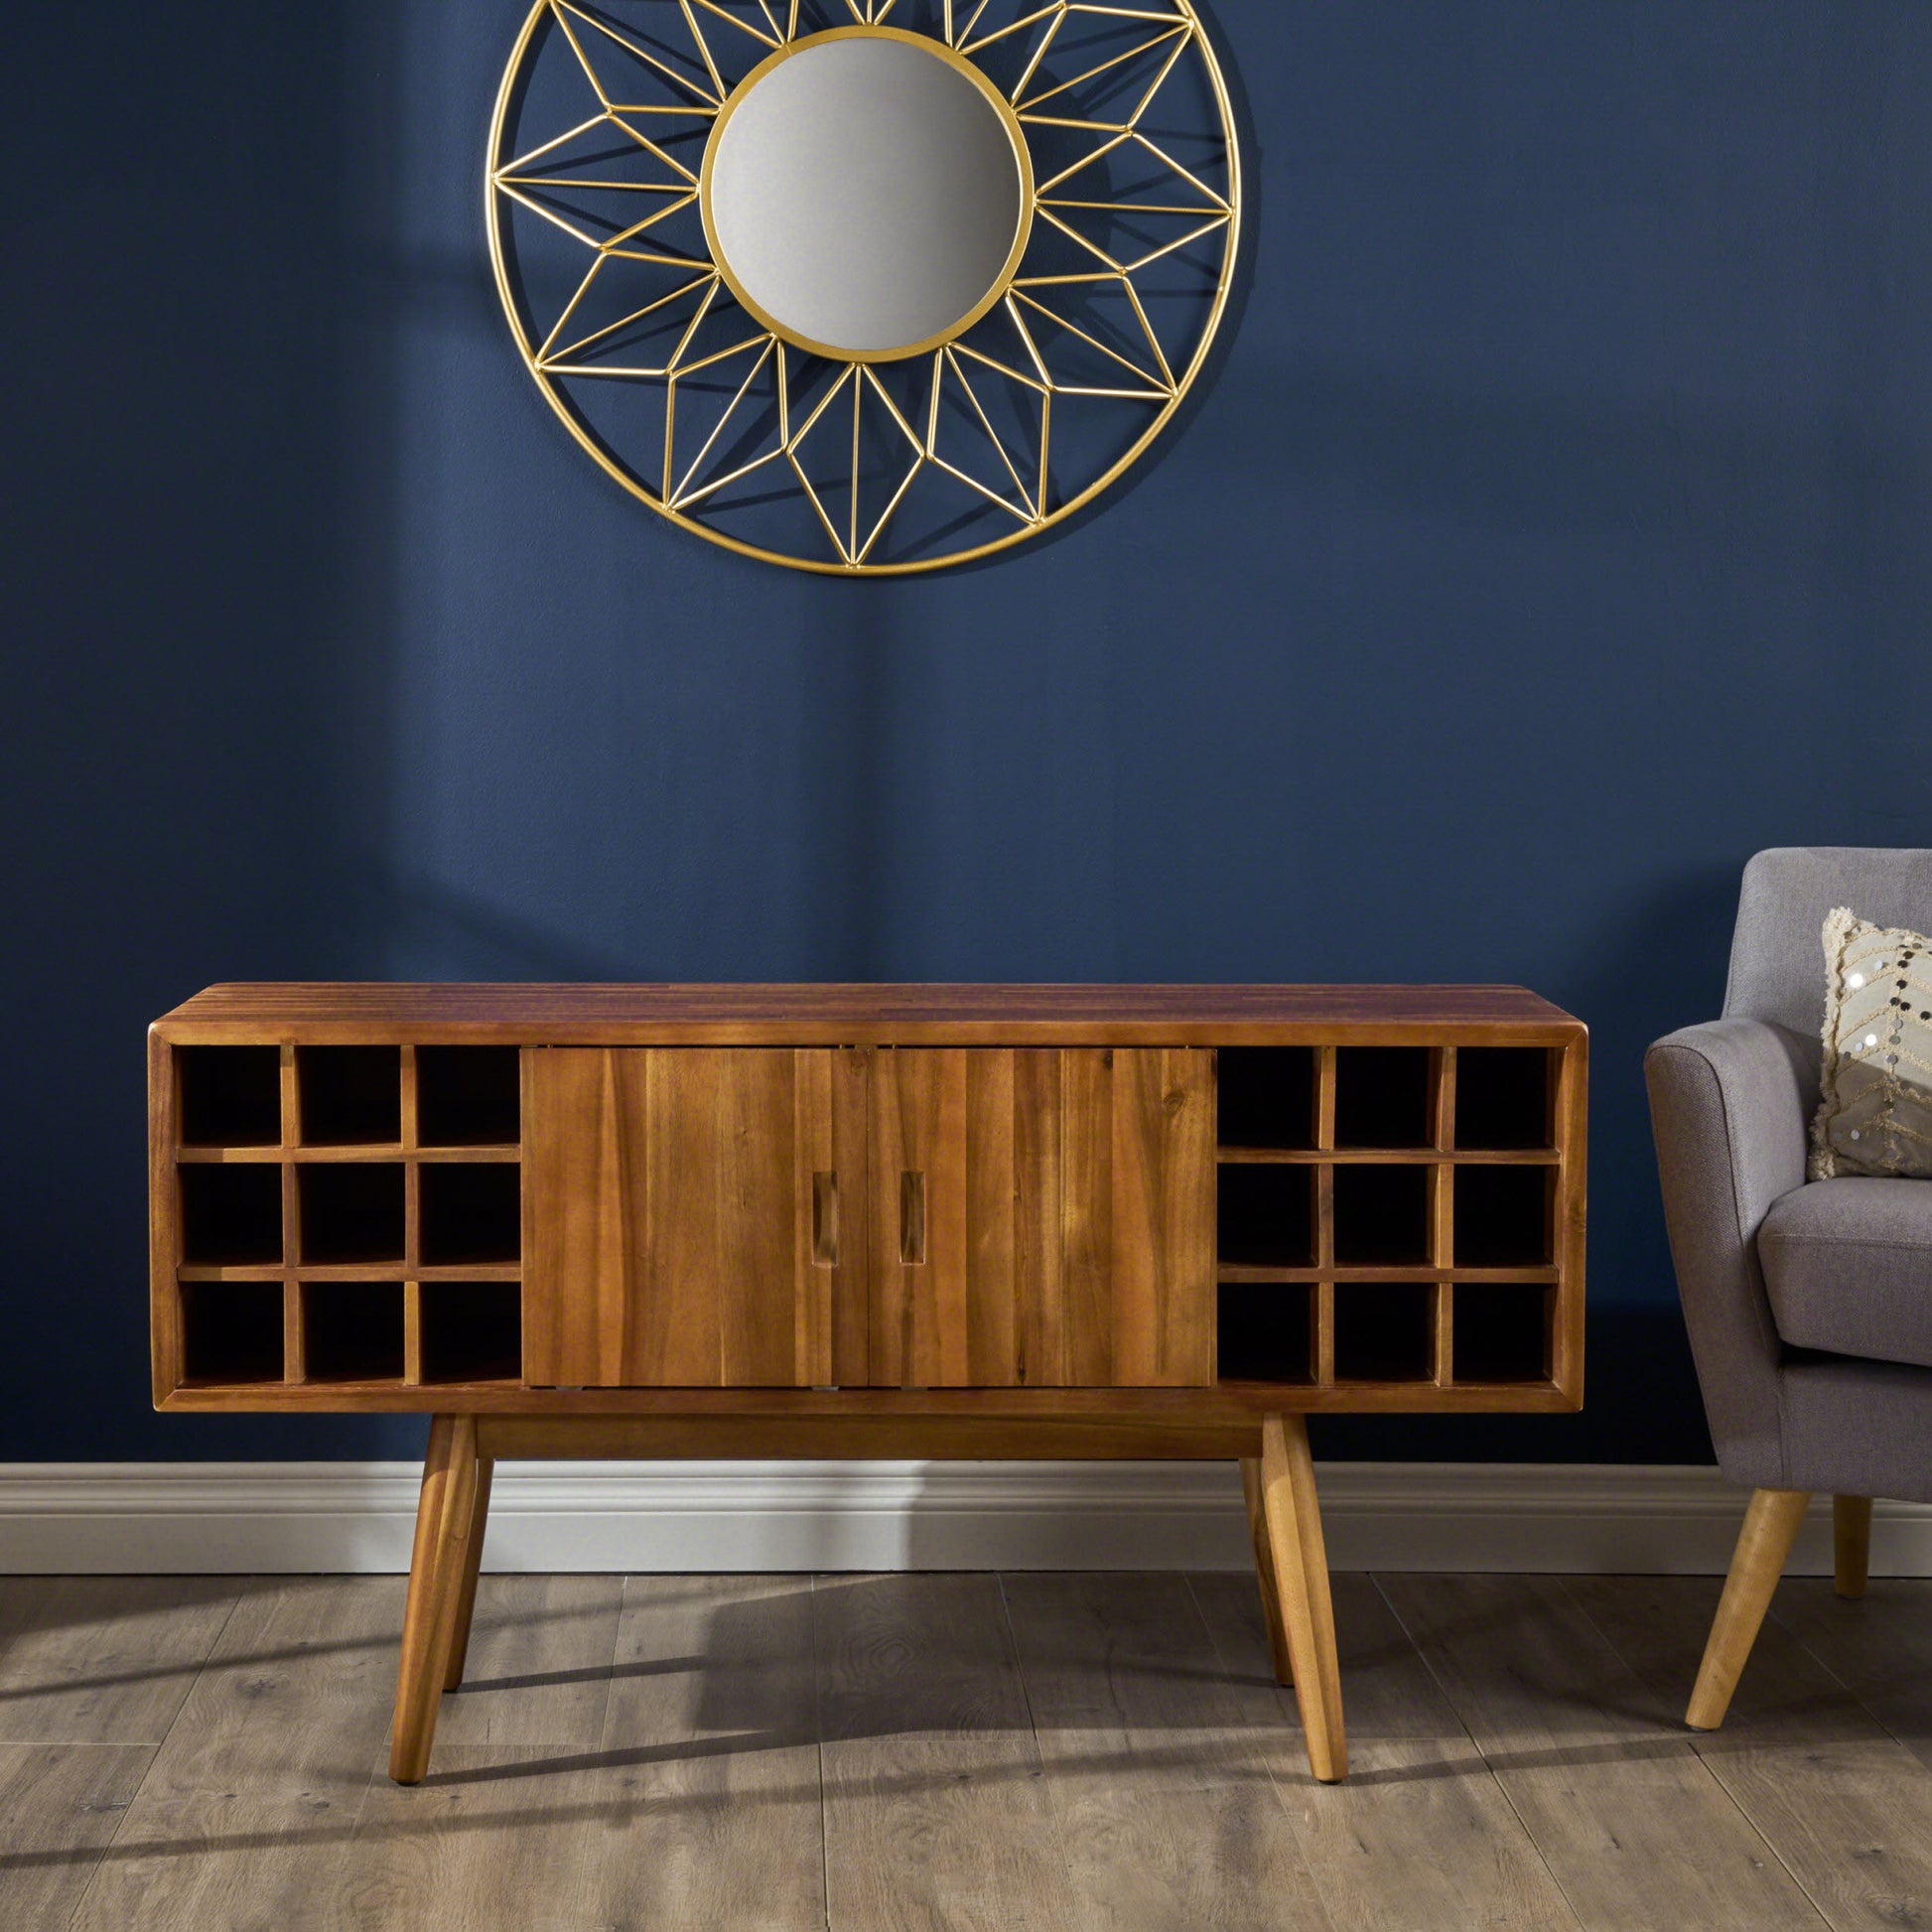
834 409
613 328
615 244
510 168
744 26
968 45
1158 384
764 346
1040 53
1207 226
704 52
1074 235
992 435
631 48
1105 67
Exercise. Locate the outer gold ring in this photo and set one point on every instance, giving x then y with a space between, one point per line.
1022 156
543 10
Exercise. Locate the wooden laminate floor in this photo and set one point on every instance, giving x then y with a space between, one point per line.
956 1750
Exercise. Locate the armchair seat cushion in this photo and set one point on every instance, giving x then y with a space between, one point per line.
1847 1267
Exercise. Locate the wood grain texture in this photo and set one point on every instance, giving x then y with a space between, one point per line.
103 1660
668 1226
445 1523
1421 1837
496 1836
164 1217
919 1275
1301 1571
1271 1590
1847 1807
1165 1808
709 1759
540 1670
1771 1523
1877 1646
266 1807
936 1811
984 1307
59 1807
1569 1215
1632 1823
245 1815
337 1011
466 1603
1137 1167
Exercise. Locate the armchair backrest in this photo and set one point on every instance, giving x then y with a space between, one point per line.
1777 961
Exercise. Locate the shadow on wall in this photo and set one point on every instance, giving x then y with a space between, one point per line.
201 737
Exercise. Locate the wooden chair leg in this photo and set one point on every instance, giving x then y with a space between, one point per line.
444 1521
466 1603
1271 1590
1851 1543
1300 1564
1770 1526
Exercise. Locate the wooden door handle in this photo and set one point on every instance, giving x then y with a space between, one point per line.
825 1219
911 1217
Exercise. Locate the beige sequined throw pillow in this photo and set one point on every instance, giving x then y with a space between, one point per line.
1876 1117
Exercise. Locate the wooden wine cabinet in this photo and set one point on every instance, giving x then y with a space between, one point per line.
892 1220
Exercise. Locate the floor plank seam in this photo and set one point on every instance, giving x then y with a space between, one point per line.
238 1591
1062 1847
818 1742
1488 1764
1691 1746
1264 1759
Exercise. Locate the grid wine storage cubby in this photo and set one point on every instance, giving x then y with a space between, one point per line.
347 1217
1391 1219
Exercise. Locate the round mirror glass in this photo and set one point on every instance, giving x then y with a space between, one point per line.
866 194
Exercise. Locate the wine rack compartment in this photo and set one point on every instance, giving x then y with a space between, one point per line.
346 1217
1391 1218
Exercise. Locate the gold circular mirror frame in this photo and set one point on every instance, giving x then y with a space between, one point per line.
700 89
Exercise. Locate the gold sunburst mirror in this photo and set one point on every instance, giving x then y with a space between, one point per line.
864 287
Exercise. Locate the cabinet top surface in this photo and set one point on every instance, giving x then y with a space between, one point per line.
745 1014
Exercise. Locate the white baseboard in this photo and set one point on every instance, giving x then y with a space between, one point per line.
226 1517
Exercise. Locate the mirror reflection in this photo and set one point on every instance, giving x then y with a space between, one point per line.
865 195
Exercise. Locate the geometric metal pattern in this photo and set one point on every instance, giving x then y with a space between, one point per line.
861 464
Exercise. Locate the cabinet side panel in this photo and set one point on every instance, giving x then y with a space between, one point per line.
1087 1214
580 1152
1162 1132
164 1205
1570 1117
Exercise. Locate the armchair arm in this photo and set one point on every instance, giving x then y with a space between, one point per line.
1729 1104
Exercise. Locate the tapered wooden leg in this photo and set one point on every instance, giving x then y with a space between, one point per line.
444 1521
1770 1525
1271 1590
1851 1543
466 1603
1302 1578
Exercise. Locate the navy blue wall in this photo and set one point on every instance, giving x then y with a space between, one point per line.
1554 535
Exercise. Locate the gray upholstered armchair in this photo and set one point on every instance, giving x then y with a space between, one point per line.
1809 1303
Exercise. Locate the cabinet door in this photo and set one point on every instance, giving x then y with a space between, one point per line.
694 1217
1136 1215
965 1232
1043 1217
